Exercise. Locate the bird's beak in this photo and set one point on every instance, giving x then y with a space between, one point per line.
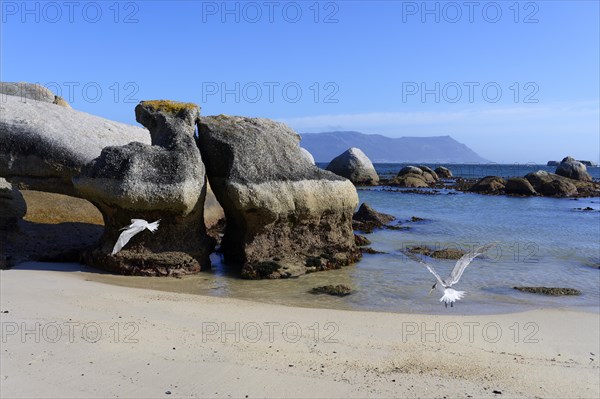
430 291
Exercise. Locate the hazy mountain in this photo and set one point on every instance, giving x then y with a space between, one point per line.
440 149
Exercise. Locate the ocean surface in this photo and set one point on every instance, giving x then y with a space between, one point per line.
542 242
475 171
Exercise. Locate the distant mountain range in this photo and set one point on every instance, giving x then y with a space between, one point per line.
381 149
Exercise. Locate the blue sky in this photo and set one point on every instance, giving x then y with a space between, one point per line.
517 82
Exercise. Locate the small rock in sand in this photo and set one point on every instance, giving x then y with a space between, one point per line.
554 291
336 290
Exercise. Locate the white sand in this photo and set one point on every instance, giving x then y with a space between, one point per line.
370 355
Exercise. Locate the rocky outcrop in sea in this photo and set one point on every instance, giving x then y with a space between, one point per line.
415 177
355 166
573 169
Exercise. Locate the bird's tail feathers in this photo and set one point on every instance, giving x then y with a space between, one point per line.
451 295
153 226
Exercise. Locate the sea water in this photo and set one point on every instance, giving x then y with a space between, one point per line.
541 242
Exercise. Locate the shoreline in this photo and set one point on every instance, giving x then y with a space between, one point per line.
191 345
205 284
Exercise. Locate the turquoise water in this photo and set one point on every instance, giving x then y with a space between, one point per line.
542 242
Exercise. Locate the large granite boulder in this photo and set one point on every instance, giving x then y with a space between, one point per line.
415 177
31 91
284 215
410 170
166 181
44 145
12 206
573 169
411 177
550 184
489 185
355 166
558 188
519 186
410 180
443 172
429 174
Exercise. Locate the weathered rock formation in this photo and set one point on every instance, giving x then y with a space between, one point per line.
12 206
428 174
519 186
444 253
30 91
367 219
308 155
573 169
415 177
489 185
284 215
443 172
355 166
550 184
166 181
536 183
43 145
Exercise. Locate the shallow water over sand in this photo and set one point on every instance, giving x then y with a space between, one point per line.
543 242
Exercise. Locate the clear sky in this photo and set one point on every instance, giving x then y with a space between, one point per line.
515 81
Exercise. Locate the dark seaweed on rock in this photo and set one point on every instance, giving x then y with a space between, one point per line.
335 290
447 253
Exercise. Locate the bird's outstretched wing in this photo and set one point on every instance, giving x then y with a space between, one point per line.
136 223
429 267
464 261
136 226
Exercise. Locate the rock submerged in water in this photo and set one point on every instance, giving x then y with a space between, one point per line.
553 291
285 216
519 186
429 174
355 166
367 219
410 170
550 184
409 181
166 181
335 290
443 172
446 253
415 177
534 183
489 185
573 169
361 241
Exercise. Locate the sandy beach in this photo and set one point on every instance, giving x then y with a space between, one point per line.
66 336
